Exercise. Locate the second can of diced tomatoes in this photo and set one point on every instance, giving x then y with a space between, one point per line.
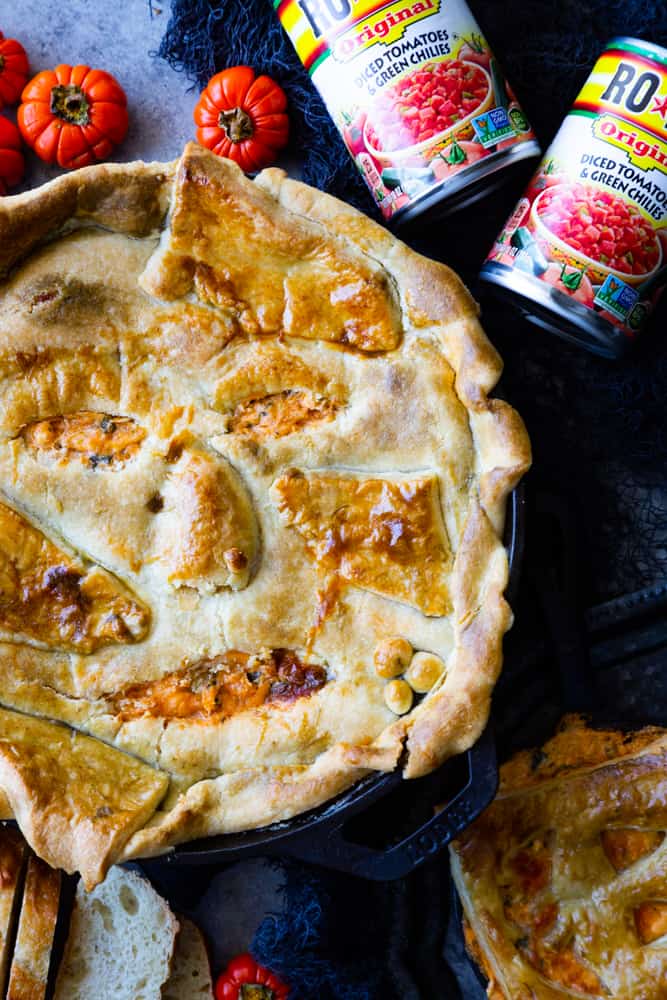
584 254
417 95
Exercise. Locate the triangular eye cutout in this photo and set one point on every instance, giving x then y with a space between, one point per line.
379 534
626 846
651 921
239 252
57 600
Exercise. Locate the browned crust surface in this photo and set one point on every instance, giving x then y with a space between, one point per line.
76 800
125 197
559 875
451 719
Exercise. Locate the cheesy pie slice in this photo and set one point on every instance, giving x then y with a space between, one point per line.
563 879
252 490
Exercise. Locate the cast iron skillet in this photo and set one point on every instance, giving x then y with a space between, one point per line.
322 835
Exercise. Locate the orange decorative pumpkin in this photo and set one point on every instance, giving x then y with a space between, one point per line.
11 158
13 70
73 115
242 116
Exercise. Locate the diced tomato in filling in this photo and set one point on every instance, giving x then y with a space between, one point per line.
601 226
426 102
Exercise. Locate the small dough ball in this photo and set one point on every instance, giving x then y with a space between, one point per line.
392 657
398 697
424 672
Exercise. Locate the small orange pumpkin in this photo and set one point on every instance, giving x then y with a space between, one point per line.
73 115
242 116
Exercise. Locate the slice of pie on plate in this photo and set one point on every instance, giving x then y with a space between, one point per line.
249 467
563 879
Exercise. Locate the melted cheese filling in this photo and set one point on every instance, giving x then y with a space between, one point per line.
96 439
280 414
222 686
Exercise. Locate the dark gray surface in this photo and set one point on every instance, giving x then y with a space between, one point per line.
118 37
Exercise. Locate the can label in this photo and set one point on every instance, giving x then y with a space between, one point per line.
412 86
593 222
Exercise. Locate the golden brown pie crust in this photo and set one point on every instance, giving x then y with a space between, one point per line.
261 425
563 879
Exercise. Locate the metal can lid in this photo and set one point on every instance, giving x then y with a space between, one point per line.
470 185
552 310
649 49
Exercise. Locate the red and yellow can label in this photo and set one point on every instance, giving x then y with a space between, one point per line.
413 88
629 88
593 224
318 33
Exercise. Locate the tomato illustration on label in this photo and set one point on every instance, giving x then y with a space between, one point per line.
474 49
457 155
571 281
353 132
546 176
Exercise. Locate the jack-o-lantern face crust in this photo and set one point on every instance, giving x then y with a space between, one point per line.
247 435
564 877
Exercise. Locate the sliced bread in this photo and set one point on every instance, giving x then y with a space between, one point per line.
12 860
34 938
190 971
121 941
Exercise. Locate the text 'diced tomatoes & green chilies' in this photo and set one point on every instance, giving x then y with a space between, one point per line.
585 252
417 95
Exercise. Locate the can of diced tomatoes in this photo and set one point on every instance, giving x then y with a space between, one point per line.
417 95
584 254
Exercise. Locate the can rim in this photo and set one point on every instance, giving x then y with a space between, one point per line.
641 47
589 331
450 189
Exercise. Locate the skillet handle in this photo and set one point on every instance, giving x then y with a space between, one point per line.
331 847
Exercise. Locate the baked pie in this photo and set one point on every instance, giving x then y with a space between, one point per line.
252 498
563 879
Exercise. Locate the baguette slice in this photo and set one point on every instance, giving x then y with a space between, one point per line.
191 971
121 941
12 860
34 938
